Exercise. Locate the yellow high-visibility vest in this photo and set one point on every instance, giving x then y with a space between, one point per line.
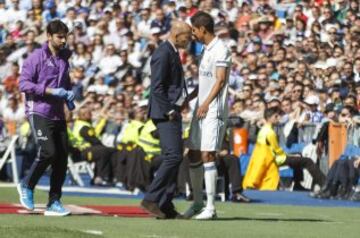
131 133
80 143
147 142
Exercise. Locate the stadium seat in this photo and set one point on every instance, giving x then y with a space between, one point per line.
10 157
77 168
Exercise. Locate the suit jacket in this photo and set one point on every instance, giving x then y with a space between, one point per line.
167 81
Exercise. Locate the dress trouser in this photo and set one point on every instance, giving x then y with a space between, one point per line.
52 149
163 187
102 156
306 163
229 166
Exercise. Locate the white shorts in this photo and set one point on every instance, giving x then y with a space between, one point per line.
206 134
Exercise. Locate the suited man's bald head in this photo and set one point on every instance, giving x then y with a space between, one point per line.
180 34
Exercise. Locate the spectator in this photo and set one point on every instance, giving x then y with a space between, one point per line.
11 82
13 115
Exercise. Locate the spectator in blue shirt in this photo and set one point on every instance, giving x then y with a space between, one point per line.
50 13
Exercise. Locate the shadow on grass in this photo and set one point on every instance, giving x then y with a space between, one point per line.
270 219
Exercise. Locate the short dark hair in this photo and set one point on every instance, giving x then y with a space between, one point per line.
203 19
269 112
57 27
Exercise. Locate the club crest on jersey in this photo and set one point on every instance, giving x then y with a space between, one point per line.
40 136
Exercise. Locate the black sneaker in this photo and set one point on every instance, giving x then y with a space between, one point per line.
239 197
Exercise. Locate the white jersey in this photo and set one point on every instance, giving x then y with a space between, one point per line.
207 134
214 55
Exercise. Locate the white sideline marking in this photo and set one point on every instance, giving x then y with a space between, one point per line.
75 209
94 232
7 185
157 236
76 189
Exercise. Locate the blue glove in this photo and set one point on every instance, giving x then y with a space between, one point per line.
59 92
70 96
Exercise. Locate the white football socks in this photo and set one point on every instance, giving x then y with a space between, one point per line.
210 184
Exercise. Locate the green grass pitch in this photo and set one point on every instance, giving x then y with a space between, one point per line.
235 220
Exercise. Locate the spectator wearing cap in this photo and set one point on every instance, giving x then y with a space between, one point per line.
79 8
311 114
80 33
266 27
262 7
51 12
70 18
161 22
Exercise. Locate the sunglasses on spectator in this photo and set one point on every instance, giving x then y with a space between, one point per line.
344 114
297 91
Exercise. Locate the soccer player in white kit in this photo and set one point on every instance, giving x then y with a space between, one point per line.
209 120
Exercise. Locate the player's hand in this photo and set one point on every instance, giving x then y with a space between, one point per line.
202 111
356 163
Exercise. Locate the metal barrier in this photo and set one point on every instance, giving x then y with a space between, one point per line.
10 157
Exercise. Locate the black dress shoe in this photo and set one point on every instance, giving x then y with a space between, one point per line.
173 214
239 197
153 209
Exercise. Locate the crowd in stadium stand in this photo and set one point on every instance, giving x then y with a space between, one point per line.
302 56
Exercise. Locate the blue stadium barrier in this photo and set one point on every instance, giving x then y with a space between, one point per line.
286 172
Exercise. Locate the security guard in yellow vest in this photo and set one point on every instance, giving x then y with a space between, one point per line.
131 132
149 140
86 140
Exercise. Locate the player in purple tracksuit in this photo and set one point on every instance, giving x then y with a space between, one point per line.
45 81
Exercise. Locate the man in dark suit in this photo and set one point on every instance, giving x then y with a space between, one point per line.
168 92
